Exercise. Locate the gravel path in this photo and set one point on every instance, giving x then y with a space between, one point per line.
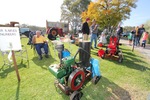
145 51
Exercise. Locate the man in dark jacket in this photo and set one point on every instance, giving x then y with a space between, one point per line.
119 32
85 29
140 32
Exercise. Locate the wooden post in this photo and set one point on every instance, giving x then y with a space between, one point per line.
15 65
133 43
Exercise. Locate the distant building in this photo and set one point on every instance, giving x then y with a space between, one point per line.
64 26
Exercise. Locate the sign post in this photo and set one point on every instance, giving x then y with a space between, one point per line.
15 65
10 40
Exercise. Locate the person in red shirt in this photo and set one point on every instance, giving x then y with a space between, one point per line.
144 38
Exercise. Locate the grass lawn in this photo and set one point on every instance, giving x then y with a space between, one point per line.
129 80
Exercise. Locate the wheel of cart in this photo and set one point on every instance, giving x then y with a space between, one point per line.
103 56
95 79
76 95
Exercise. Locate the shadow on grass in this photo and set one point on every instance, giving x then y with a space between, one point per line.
103 90
125 49
130 60
133 57
44 62
94 52
17 91
6 69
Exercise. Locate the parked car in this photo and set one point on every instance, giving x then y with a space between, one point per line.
23 30
125 34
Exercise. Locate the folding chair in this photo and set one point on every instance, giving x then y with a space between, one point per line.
42 50
23 54
6 61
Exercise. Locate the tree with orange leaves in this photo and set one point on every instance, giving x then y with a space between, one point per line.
109 13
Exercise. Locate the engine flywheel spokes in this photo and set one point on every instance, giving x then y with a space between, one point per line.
76 79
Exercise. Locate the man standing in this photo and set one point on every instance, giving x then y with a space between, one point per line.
136 36
94 31
119 32
140 32
85 29
40 42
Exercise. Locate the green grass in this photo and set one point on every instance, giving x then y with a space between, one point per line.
120 81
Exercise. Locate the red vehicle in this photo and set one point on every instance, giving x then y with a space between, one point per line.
56 28
112 50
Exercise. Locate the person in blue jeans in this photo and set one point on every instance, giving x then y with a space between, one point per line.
141 30
136 36
40 42
94 31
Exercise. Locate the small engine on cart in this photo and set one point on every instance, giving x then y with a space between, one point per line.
71 75
112 50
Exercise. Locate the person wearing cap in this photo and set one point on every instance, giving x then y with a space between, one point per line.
94 31
85 29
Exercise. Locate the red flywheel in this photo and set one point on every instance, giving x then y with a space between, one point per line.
76 79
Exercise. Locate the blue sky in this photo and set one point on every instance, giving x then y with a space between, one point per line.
36 13
140 14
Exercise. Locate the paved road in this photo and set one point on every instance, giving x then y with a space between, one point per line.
145 51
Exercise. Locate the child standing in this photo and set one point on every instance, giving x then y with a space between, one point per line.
130 38
144 38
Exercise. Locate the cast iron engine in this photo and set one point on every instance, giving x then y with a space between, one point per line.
71 74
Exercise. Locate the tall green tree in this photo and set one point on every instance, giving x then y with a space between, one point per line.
71 11
147 27
109 13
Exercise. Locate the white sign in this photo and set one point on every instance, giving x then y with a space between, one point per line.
10 38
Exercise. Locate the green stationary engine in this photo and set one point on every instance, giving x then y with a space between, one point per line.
63 70
72 72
